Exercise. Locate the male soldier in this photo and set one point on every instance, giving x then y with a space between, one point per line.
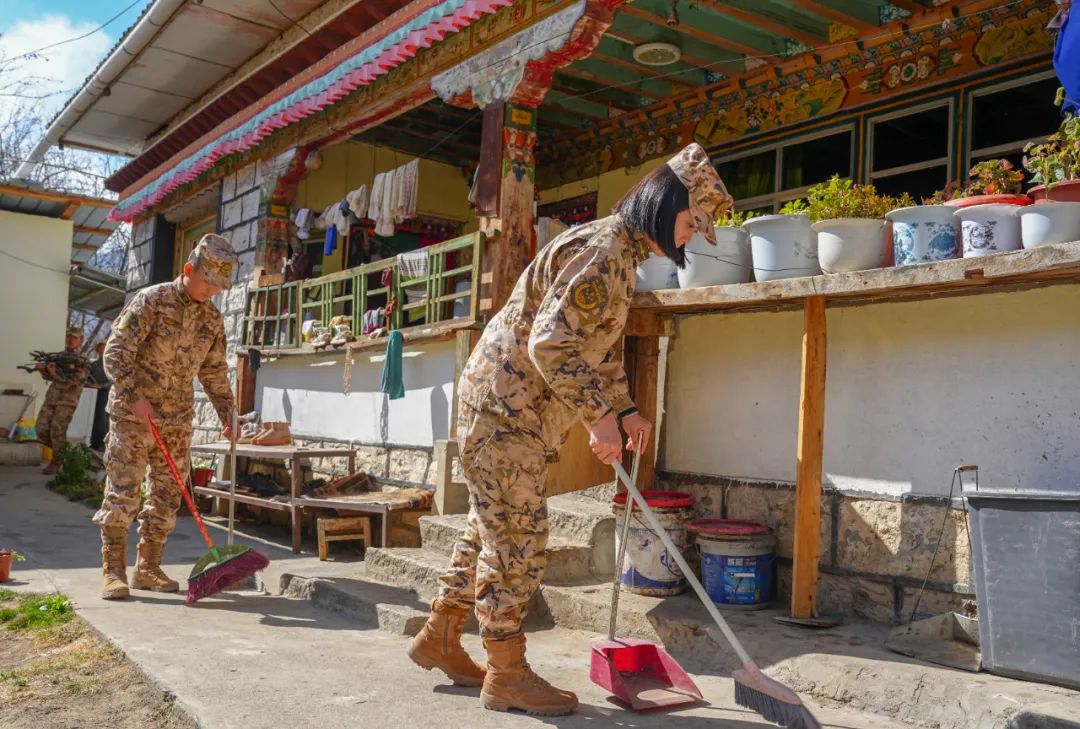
61 399
165 337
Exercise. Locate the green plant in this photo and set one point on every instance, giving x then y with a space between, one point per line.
77 478
945 194
18 557
34 611
840 197
1058 158
732 218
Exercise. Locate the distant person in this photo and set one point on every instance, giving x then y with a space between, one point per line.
61 399
101 417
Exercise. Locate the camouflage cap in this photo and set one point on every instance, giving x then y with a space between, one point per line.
74 331
708 196
215 257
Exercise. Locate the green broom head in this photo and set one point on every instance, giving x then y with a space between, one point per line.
221 568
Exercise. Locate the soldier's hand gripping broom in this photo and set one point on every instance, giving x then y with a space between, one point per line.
221 567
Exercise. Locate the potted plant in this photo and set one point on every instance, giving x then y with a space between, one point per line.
1055 165
727 262
925 233
849 220
988 208
7 558
784 245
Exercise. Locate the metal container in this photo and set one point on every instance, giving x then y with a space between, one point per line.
1026 553
647 568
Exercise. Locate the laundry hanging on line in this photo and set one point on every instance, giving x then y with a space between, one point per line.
303 220
393 382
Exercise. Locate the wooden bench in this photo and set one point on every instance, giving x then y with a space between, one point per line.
341 529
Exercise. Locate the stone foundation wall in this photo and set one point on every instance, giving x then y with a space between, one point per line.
875 552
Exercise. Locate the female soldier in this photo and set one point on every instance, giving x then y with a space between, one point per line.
547 359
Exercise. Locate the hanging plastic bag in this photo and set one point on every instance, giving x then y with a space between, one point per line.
25 430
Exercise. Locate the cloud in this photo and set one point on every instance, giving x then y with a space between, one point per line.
58 71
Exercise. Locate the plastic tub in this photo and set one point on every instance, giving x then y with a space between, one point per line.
727 262
736 561
647 568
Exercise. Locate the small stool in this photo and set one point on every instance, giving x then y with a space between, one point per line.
342 529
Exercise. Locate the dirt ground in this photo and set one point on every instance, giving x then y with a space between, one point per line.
66 677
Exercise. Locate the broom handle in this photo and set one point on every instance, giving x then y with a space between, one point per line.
232 474
179 483
617 584
681 561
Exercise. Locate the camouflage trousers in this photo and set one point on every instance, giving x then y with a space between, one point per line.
129 450
499 561
55 417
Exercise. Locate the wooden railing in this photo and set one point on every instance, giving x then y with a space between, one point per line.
275 314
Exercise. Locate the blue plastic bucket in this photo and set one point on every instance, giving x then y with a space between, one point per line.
647 568
736 561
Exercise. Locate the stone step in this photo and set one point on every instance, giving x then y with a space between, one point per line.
568 562
412 568
396 610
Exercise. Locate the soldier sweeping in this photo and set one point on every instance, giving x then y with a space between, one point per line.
548 358
165 337
62 398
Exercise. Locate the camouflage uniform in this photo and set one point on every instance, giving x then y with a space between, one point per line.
61 400
160 342
545 360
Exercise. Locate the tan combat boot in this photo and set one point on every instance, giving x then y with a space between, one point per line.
511 684
114 563
438 645
148 574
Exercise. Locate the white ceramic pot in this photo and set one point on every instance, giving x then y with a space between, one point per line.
924 234
783 246
727 262
1049 222
657 273
851 244
989 229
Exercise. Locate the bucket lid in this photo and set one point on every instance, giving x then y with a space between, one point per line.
660 499
713 527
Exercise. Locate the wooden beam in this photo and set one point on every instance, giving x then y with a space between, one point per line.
669 76
810 450
686 29
84 246
758 21
585 76
600 97
834 15
47 196
93 231
909 5
642 365
69 211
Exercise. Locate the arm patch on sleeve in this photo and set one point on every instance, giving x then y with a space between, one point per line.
590 294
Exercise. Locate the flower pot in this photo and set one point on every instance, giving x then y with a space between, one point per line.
783 246
967 202
201 476
851 244
6 560
727 262
657 273
989 229
1067 191
924 233
1049 222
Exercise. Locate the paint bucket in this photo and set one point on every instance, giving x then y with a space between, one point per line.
647 568
736 561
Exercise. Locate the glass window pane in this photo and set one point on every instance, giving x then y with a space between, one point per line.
910 139
750 176
920 183
1015 114
808 163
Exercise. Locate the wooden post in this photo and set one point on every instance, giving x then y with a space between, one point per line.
512 247
642 365
808 468
245 385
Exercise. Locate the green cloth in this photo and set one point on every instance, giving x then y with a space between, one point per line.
392 382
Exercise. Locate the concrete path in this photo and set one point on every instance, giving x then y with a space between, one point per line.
248 661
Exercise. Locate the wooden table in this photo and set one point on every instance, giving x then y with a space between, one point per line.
219 489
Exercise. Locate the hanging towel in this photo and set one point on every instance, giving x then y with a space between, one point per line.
392 382
1067 56
380 210
331 240
407 184
303 219
375 201
358 202
413 264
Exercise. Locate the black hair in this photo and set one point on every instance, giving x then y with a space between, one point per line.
651 206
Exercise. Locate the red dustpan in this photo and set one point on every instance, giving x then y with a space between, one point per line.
639 673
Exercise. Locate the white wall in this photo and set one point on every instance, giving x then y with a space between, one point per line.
914 389
309 393
33 295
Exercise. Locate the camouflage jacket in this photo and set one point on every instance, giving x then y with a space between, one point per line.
548 357
69 385
160 342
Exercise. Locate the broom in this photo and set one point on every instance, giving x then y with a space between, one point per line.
221 567
753 689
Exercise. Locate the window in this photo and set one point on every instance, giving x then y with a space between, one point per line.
1005 117
763 180
910 150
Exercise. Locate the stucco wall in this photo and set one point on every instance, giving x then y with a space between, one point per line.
33 295
914 389
309 393
609 187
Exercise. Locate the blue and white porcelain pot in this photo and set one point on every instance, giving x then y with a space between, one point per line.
924 234
989 229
